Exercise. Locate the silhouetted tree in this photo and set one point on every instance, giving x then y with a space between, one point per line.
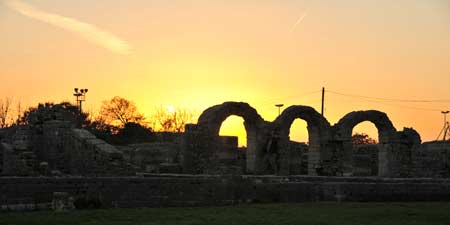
5 111
119 111
173 121
130 133
362 139
19 113
51 111
135 133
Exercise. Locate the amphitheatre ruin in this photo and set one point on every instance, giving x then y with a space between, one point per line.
51 158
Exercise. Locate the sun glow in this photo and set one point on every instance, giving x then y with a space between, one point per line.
170 109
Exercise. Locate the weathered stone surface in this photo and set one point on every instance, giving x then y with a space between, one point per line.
17 162
203 190
52 139
62 201
431 159
149 156
330 150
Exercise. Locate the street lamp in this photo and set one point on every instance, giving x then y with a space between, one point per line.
80 97
279 108
445 115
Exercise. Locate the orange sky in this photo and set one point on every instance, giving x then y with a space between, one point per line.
195 54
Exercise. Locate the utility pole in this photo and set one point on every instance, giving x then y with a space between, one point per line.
323 99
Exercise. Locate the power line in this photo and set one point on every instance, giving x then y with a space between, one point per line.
379 100
292 96
390 99
384 102
398 105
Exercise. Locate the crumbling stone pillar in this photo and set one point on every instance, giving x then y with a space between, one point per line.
51 150
198 150
319 136
395 156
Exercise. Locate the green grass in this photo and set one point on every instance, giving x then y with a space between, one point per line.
279 214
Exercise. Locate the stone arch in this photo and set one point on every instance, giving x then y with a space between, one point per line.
343 136
385 128
318 132
212 118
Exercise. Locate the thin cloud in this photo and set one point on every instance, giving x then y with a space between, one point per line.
87 31
299 20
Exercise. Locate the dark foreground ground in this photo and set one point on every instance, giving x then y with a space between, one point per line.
305 213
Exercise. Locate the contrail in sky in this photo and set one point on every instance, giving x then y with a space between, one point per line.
88 31
300 19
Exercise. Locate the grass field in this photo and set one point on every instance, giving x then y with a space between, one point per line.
305 213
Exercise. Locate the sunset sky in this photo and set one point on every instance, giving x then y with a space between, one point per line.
198 53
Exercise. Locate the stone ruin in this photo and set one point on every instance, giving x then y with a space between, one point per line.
52 144
330 151
69 167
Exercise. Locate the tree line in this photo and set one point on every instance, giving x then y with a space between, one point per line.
118 118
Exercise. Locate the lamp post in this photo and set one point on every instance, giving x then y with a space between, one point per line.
445 115
279 108
80 97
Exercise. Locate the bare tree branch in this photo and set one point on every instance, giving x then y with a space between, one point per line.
5 105
119 111
172 121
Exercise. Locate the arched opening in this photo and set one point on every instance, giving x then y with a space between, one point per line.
234 126
345 127
232 142
299 146
365 149
212 120
318 135
299 131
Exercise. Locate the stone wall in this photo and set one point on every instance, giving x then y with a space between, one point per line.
298 158
191 190
157 157
18 155
84 154
431 159
206 152
330 150
17 162
365 160
198 150
62 149
49 146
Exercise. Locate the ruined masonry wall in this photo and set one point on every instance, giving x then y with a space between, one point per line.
189 190
65 149
431 160
87 155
